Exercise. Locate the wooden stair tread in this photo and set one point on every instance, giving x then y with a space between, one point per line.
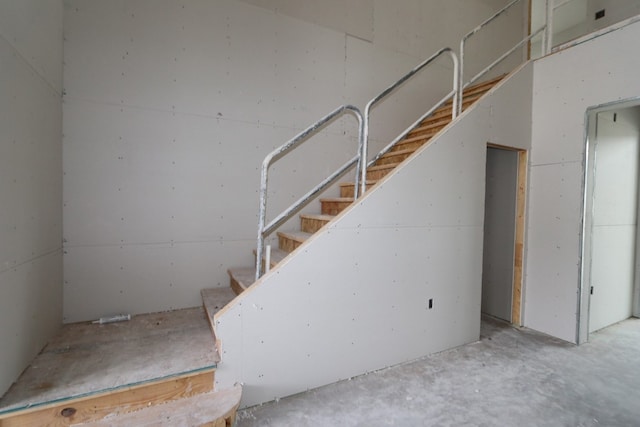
368 182
216 298
244 276
417 138
429 123
213 299
485 84
398 152
217 408
148 359
320 217
277 255
382 167
299 236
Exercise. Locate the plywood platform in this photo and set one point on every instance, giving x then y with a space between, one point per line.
87 360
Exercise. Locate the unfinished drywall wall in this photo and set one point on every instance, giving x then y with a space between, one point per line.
565 85
356 296
170 108
614 11
614 216
577 18
30 181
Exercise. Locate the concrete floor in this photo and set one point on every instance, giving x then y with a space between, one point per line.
511 377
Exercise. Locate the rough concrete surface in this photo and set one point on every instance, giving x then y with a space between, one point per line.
511 377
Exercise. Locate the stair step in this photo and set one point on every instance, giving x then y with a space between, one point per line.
277 255
468 99
217 409
379 171
483 86
347 188
394 157
334 206
213 299
91 370
313 223
290 240
430 126
414 144
241 278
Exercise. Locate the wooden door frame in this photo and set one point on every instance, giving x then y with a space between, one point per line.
519 232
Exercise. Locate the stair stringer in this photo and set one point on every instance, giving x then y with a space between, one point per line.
355 297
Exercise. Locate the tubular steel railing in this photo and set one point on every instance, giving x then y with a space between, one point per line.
391 89
264 230
546 44
360 159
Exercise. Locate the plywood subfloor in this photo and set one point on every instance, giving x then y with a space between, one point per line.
89 358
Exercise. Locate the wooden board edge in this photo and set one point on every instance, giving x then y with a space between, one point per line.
96 406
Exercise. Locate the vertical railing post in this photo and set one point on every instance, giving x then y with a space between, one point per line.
456 85
362 162
547 42
365 147
262 215
459 95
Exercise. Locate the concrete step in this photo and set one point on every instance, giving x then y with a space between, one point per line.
241 278
313 223
290 240
333 206
216 408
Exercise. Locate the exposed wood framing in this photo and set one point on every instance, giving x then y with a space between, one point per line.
516 306
518 259
99 405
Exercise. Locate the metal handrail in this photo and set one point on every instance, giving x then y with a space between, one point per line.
475 78
265 230
360 160
392 88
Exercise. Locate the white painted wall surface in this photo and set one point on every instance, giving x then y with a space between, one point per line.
565 85
614 220
354 298
30 181
171 106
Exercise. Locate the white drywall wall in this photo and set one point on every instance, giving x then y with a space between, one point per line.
565 85
614 218
170 108
355 297
615 11
30 181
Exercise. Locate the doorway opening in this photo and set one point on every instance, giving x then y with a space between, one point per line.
611 255
502 265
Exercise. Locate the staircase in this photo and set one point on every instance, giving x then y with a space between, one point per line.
242 277
156 369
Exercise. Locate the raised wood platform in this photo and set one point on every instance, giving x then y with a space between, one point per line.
90 369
